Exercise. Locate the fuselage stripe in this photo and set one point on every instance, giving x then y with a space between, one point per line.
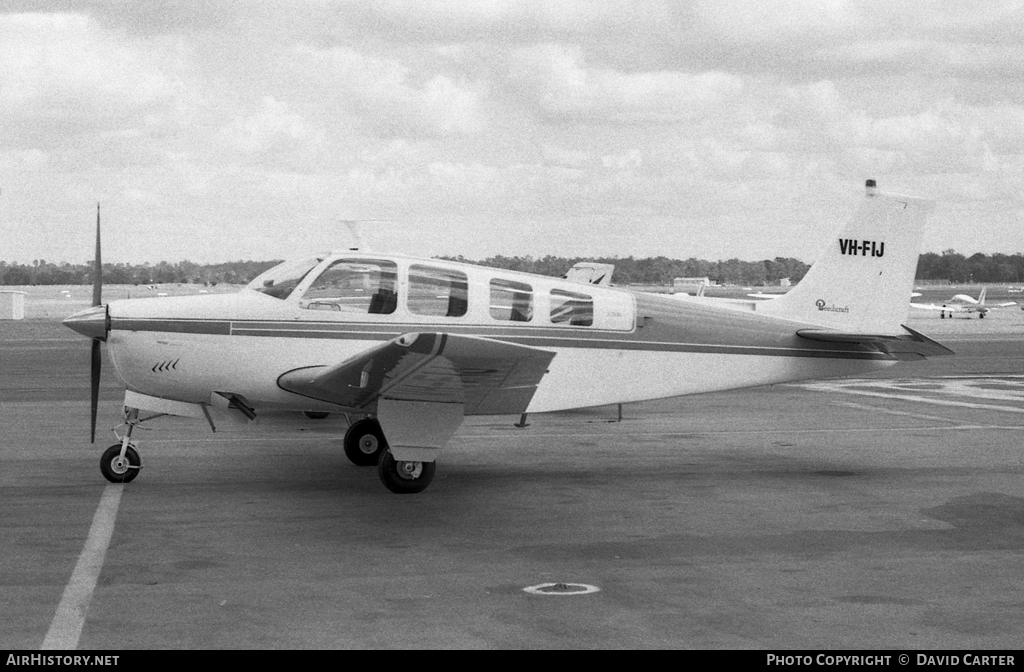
531 337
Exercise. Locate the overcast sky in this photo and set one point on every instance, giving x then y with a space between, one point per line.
216 131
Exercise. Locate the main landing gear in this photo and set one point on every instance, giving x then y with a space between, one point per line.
121 462
364 442
366 446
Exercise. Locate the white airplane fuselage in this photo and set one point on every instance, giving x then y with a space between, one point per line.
638 346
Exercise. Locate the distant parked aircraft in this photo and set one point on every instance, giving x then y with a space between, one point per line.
591 273
962 303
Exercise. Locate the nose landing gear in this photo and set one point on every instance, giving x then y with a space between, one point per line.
121 462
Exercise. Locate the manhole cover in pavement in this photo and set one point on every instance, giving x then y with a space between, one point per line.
561 589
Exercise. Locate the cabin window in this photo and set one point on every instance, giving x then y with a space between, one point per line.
281 280
437 291
511 301
355 286
571 308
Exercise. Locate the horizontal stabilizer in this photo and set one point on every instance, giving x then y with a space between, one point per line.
908 346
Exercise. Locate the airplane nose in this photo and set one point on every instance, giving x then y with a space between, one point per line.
92 322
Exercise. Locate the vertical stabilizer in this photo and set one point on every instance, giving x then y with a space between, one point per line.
862 282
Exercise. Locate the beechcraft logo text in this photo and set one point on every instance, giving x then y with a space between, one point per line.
864 248
820 303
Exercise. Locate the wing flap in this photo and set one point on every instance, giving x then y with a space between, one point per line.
487 376
909 346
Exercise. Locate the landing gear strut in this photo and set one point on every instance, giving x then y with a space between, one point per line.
121 462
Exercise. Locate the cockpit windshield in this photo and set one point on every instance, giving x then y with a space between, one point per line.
282 279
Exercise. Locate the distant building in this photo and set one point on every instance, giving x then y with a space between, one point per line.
12 305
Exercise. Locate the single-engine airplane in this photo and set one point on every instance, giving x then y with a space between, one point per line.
408 347
964 303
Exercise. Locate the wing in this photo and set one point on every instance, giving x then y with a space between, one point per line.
489 377
932 306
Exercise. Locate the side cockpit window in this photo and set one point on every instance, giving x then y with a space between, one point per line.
281 280
572 308
437 291
355 286
511 301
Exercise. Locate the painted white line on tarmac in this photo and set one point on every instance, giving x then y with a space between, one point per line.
945 391
67 623
927 400
684 433
919 416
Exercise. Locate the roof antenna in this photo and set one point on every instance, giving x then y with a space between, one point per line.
353 227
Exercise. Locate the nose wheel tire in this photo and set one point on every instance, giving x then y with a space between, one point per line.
364 442
117 469
404 477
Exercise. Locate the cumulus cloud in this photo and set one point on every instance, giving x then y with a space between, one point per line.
512 20
555 79
390 98
739 21
65 65
29 160
272 126
512 116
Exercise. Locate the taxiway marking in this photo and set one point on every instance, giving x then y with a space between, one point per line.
937 391
908 414
67 623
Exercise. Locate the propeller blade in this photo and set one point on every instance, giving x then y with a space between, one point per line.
94 386
97 357
97 275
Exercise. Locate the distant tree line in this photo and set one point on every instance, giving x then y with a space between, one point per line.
977 268
660 270
41 272
949 266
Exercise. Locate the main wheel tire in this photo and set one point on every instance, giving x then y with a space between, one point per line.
117 469
364 442
404 477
